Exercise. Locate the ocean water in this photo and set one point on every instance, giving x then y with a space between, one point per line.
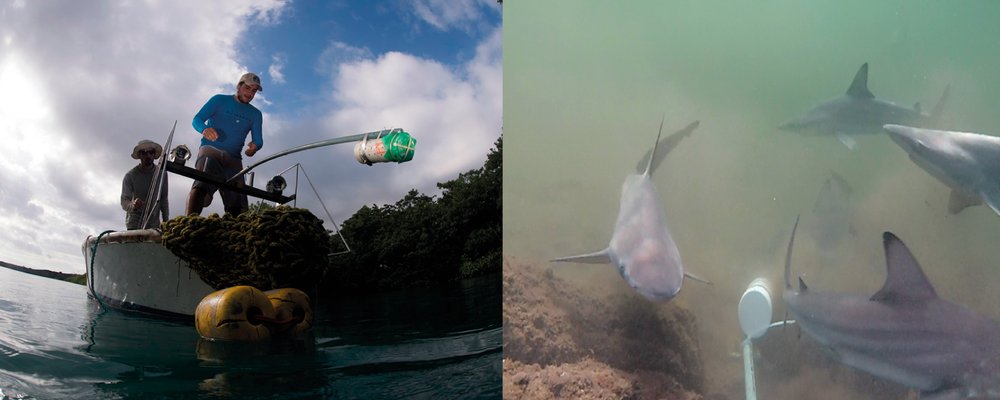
586 85
56 343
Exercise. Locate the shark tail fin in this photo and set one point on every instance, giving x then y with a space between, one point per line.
654 157
939 107
599 257
649 165
788 257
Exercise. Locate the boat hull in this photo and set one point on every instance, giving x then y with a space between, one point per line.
132 271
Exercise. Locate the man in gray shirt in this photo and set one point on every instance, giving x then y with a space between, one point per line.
136 186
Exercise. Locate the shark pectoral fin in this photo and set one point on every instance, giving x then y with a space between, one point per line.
991 196
847 141
958 201
697 278
600 257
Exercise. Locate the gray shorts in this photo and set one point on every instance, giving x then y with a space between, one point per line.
219 163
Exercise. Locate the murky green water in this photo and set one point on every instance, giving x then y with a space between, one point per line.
586 85
56 343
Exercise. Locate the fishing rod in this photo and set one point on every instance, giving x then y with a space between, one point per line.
387 145
377 146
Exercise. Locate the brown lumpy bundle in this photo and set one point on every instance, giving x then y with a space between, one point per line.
272 248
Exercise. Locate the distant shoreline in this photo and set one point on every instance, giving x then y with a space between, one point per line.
74 278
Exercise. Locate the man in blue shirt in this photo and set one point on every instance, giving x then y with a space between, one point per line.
224 122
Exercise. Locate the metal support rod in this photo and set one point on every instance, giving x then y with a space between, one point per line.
748 372
749 375
344 139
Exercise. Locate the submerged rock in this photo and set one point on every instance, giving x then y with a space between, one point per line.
562 342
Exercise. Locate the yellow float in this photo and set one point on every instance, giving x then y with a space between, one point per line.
236 313
292 312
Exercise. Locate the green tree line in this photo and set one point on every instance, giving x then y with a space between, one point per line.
422 240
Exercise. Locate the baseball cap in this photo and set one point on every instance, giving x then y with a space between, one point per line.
250 78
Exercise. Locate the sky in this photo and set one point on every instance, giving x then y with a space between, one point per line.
82 82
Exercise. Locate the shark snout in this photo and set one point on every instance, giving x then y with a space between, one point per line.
658 294
656 279
902 135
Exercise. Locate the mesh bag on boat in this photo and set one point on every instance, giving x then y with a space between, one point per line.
272 248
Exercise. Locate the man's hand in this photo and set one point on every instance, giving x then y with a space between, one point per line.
136 204
251 149
210 134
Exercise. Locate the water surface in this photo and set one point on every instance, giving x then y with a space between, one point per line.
55 342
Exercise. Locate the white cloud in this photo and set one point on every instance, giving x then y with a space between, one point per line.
74 100
453 112
339 53
274 71
452 14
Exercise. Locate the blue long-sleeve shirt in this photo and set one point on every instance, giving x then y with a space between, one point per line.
232 120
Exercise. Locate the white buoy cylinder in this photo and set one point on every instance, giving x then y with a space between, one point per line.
755 309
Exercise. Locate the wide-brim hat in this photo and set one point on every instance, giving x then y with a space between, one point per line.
147 145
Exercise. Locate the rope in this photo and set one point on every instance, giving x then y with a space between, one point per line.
90 275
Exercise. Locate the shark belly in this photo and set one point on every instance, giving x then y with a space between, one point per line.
641 247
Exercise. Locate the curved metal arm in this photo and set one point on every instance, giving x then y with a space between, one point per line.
328 142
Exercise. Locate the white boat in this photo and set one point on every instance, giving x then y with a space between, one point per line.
133 271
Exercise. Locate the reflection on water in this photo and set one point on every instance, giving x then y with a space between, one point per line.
440 343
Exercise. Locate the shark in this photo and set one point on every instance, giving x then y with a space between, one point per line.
967 162
832 216
859 112
905 332
641 246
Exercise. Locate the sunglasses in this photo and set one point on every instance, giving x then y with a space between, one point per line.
150 152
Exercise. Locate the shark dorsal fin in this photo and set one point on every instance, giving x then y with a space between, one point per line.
905 280
802 285
859 87
917 108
